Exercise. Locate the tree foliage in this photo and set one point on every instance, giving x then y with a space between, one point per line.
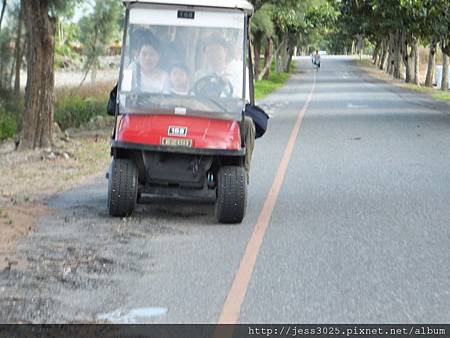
97 31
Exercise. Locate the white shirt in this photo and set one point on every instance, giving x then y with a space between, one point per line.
232 73
154 84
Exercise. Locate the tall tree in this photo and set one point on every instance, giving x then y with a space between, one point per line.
97 31
38 114
262 28
40 21
289 20
444 83
431 64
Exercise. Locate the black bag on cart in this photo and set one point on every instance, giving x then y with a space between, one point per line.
259 117
111 109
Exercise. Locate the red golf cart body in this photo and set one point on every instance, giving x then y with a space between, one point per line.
188 145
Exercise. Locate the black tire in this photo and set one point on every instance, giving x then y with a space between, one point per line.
231 194
122 188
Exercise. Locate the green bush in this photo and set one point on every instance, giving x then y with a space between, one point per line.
8 125
73 111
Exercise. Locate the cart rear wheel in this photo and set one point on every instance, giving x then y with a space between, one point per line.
231 194
122 188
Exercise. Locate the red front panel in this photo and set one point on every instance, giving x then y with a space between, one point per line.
205 133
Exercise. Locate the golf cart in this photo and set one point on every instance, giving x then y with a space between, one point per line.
179 108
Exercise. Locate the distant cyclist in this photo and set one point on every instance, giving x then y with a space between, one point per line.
316 60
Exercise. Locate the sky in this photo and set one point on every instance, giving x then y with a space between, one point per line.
80 11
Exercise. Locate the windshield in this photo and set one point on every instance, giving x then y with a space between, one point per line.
183 61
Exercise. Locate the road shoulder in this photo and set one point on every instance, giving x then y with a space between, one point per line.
400 87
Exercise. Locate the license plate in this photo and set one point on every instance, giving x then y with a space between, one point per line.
176 142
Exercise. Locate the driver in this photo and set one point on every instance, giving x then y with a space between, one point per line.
217 64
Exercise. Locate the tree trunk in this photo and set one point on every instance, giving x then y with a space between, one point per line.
287 56
2 61
384 54
281 54
411 61
93 75
431 64
444 83
391 55
1 72
18 55
38 113
1 15
268 57
397 54
92 60
11 74
416 61
376 52
378 57
256 53
406 59
291 54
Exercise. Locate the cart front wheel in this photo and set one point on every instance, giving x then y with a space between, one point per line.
231 194
122 188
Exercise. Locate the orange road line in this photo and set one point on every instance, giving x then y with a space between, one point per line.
232 306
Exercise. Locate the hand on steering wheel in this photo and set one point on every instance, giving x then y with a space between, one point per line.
214 86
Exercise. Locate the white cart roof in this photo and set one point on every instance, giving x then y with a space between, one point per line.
239 4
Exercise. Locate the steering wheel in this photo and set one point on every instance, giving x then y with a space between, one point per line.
213 86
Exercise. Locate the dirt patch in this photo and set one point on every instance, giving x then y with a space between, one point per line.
17 221
35 175
28 179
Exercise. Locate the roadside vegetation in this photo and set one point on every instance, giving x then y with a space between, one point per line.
396 31
75 107
274 81
8 124
77 48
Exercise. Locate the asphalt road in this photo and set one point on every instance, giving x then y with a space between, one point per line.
359 232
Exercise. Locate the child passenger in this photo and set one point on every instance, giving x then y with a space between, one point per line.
178 83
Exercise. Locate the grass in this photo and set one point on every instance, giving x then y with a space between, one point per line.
6 219
275 81
10 110
76 106
435 93
8 125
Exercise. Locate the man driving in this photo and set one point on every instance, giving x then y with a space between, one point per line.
218 65
229 72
